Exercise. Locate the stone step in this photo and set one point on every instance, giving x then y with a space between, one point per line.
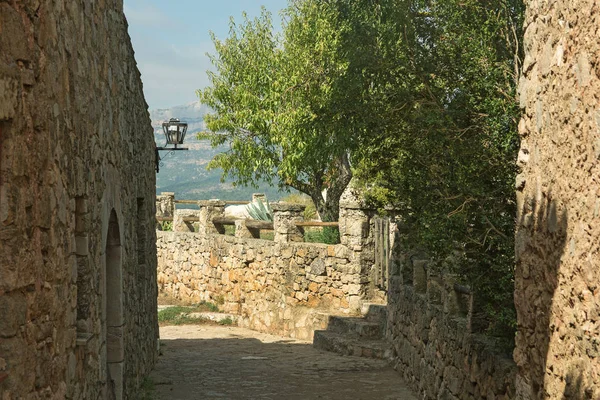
374 312
355 327
349 346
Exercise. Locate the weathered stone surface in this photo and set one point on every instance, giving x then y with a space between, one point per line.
434 347
558 270
13 309
259 279
184 220
165 204
285 215
76 147
8 97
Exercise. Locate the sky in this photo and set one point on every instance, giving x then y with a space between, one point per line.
171 38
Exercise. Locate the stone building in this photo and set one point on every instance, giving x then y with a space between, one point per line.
77 241
558 227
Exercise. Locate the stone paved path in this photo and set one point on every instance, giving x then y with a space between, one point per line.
216 362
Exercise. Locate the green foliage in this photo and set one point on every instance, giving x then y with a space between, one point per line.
259 211
180 315
420 95
272 98
327 235
166 226
310 212
443 143
267 235
174 315
208 306
226 321
220 300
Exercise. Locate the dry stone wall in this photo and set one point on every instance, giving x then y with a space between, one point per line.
430 327
558 266
284 288
77 256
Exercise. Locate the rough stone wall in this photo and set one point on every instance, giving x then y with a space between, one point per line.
558 270
285 288
76 203
430 327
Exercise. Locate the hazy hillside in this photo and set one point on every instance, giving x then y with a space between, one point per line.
184 172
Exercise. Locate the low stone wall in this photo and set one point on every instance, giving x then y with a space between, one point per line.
284 288
430 324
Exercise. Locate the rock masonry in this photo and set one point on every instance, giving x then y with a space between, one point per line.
77 181
558 266
431 325
282 286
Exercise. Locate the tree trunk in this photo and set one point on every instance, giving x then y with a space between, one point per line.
329 207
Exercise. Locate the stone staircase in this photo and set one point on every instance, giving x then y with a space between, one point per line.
356 336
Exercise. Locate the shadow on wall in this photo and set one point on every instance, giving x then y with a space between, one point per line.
540 246
574 388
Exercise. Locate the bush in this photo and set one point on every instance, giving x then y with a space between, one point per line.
327 235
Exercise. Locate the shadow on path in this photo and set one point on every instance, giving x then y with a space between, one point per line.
214 362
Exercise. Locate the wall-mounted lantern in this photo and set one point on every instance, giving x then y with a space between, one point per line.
174 131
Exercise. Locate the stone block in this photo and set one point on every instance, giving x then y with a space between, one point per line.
8 96
317 267
82 245
13 309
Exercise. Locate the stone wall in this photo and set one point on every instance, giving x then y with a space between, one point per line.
284 288
558 268
280 286
77 182
430 325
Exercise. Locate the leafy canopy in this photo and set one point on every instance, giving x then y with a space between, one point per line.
272 98
445 143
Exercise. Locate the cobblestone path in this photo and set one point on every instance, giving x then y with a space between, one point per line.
217 362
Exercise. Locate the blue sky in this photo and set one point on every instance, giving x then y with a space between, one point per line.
171 39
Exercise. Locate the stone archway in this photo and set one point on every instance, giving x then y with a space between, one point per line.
113 310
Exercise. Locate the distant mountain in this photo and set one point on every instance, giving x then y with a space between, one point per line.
184 172
192 113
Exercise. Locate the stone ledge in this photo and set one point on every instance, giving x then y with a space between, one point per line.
211 203
287 207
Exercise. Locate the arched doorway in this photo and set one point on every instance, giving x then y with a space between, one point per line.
113 310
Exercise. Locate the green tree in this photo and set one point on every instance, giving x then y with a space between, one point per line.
272 96
445 149
419 95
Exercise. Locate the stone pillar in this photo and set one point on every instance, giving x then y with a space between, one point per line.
242 231
181 222
285 215
259 196
209 210
165 205
354 223
355 233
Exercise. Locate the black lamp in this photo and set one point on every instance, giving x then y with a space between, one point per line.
174 131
